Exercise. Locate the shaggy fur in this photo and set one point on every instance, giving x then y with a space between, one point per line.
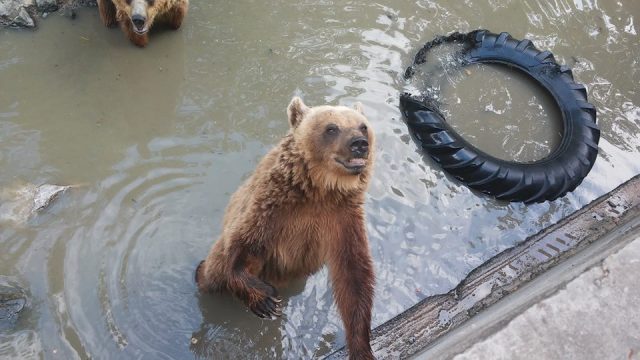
301 209
170 12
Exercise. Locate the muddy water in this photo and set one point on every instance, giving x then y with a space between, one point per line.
499 110
155 140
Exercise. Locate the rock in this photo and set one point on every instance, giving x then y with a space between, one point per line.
45 194
24 19
13 13
13 300
21 203
47 5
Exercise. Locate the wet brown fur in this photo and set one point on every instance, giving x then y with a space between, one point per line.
299 211
170 12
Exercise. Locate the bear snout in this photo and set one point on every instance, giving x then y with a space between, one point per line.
139 16
138 21
359 146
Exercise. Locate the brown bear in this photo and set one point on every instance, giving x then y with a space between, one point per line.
137 16
303 208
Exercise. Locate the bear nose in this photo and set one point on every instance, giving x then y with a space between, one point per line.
138 21
359 146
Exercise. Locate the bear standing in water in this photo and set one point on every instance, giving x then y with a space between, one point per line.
136 17
303 208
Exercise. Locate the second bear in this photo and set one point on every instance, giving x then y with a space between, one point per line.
136 17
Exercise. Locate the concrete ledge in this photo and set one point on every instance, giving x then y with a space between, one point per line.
416 329
497 316
595 315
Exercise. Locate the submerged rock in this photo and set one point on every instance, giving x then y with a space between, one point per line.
13 300
45 194
23 344
19 204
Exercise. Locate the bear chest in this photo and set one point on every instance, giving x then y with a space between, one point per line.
303 240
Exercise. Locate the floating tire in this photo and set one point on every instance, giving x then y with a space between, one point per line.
546 179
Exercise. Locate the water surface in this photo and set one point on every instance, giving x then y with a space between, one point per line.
156 140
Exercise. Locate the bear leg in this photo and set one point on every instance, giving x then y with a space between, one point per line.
138 40
259 296
107 13
352 275
177 14
209 274
237 273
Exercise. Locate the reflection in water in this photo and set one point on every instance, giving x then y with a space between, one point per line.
161 137
226 326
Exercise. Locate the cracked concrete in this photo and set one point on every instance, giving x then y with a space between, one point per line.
595 316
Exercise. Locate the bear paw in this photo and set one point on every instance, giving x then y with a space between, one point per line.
266 305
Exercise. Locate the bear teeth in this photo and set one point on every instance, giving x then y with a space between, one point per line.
356 162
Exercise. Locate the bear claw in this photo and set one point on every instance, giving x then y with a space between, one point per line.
270 307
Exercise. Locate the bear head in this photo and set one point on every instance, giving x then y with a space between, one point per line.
336 143
141 13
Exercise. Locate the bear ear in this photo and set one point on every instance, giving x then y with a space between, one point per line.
296 111
358 107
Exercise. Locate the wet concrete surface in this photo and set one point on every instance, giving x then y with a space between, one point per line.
417 329
595 316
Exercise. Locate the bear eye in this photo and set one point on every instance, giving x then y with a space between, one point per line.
363 128
331 129
128 2
150 2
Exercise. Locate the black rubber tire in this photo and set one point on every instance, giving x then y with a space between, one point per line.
547 179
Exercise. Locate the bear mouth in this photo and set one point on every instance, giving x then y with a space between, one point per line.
354 165
140 32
